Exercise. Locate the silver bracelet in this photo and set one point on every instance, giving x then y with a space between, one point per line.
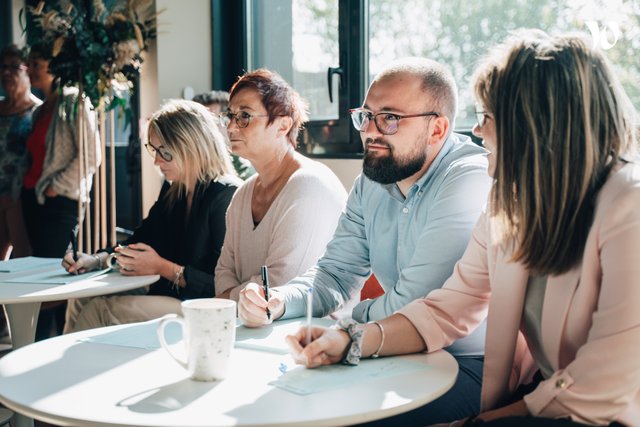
354 354
376 354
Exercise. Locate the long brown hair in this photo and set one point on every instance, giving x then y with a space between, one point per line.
562 121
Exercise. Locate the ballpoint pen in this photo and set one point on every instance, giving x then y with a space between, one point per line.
309 313
74 245
265 285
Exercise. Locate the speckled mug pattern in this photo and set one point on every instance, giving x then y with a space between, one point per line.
209 333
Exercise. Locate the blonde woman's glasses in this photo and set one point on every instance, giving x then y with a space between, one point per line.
164 154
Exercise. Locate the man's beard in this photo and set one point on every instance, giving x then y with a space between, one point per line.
389 169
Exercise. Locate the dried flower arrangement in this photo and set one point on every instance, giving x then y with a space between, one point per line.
95 47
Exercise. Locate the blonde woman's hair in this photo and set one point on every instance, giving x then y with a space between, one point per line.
562 121
191 134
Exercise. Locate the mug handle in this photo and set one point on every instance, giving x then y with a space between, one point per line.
163 342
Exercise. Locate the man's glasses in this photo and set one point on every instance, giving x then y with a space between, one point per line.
387 123
481 118
12 68
164 154
242 118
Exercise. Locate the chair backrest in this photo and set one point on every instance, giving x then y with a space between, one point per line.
371 289
5 416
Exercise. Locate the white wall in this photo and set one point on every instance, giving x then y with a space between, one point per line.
347 170
180 57
184 46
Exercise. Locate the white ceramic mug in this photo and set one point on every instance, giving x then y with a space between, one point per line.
208 333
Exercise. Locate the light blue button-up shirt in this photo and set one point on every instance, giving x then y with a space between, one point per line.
411 244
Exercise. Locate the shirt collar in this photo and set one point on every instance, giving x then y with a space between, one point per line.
395 192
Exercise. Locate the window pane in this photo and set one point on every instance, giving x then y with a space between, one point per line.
459 33
299 40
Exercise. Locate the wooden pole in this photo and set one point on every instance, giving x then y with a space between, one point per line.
79 141
112 164
103 180
87 203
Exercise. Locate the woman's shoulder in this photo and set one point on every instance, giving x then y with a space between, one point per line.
314 173
224 184
622 188
244 191
624 178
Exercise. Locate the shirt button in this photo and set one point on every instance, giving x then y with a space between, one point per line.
405 210
561 383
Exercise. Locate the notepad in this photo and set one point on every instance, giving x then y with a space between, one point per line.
143 335
271 338
303 381
56 276
27 263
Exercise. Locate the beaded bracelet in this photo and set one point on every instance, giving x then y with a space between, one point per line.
99 267
354 354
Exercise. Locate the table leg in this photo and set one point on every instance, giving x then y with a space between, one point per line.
23 319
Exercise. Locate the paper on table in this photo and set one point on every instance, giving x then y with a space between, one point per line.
57 276
271 337
26 263
303 381
140 335
143 335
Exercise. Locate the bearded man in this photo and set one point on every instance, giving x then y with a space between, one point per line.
408 220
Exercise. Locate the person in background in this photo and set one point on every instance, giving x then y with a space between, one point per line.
181 237
217 101
52 185
554 260
408 219
16 111
283 216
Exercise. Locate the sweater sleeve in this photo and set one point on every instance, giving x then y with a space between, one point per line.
225 270
62 160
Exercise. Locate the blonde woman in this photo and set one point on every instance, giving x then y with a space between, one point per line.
554 261
182 237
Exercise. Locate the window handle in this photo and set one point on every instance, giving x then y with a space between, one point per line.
330 72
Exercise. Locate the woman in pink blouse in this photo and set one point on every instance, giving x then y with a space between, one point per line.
553 263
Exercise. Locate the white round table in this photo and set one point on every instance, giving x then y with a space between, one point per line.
22 300
70 381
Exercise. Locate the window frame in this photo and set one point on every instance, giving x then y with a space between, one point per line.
232 39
